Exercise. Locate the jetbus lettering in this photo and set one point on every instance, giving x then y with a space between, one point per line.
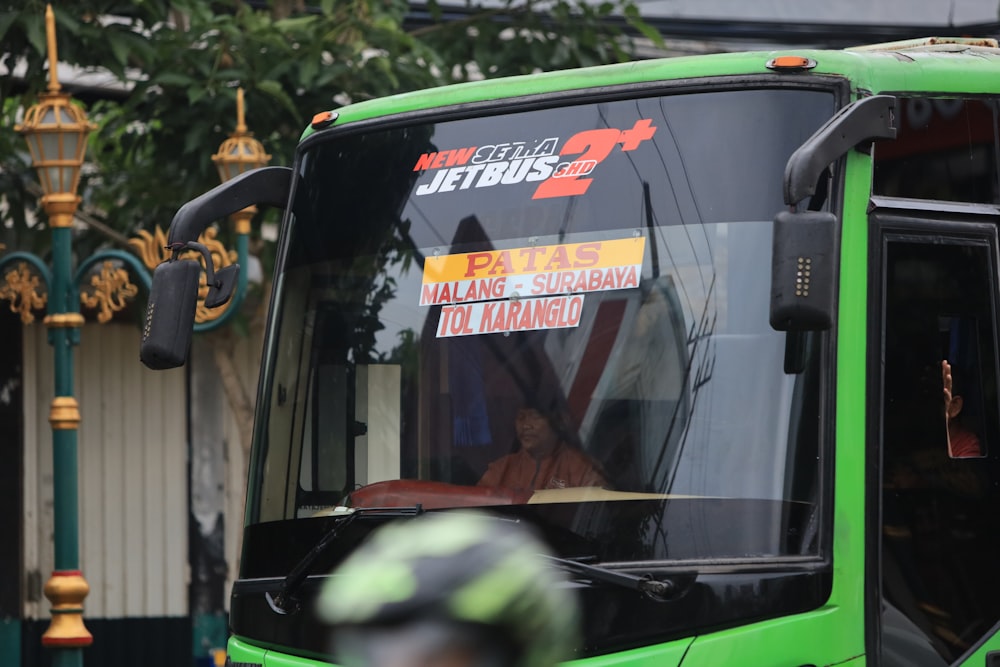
470 175
488 174
542 168
491 174
451 178
517 172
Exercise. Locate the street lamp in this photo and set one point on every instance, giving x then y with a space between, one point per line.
240 153
56 131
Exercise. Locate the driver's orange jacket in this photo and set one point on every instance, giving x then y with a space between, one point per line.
565 467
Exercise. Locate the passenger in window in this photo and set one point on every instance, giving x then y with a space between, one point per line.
963 443
545 459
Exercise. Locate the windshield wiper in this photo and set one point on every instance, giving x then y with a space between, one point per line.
285 602
655 589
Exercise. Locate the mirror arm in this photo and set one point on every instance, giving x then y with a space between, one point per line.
804 244
221 284
864 120
177 248
268 186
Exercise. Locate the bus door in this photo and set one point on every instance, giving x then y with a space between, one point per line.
935 403
937 457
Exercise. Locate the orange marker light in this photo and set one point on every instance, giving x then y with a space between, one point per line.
323 119
790 63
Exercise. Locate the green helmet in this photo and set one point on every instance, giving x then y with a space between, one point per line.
463 568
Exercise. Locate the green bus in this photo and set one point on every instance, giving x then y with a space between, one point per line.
755 294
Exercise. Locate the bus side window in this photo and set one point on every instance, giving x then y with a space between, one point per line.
946 149
939 584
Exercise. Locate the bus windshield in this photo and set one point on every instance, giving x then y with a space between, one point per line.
560 313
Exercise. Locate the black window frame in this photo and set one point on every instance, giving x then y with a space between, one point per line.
926 221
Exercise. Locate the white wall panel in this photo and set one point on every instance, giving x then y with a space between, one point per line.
132 474
37 378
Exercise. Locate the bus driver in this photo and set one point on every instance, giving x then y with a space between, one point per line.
544 459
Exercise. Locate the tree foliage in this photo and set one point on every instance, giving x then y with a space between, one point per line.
173 68
174 65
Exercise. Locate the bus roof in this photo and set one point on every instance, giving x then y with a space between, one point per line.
931 65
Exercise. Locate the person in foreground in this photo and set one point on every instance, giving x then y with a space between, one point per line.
450 590
544 459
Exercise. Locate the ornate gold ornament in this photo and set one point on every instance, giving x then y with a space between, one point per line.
21 288
64 413
111 293
64 321
66 590
56 130
151 248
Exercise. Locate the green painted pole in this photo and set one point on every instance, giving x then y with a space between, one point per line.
67 588
243 251
56 131
63 439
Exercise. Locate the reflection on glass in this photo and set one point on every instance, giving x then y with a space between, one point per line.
449 332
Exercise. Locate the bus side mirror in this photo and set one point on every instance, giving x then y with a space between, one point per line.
803 274
173 301
803 271
169 324
173 296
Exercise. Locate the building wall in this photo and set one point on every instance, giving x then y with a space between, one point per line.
132 452
160 534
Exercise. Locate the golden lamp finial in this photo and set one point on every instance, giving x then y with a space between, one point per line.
50 40
241 126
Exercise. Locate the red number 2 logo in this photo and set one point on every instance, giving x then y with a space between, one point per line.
593 146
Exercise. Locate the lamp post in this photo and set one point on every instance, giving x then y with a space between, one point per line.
56 132
240 152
